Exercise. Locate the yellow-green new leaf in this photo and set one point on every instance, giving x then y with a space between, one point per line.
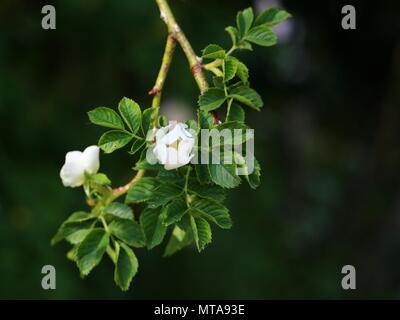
213 51
262 35
244 20
271 17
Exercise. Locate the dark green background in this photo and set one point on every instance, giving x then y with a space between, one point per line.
327 140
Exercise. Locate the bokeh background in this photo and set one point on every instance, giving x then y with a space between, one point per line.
327 140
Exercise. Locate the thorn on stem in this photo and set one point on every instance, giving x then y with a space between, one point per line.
154 91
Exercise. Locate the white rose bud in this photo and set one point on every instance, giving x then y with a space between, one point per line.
76 163
174 146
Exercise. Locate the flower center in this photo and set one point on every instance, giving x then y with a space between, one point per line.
175 144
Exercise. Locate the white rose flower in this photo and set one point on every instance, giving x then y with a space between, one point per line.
76 163
174 146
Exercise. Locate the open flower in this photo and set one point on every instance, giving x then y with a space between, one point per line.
174 146
76 163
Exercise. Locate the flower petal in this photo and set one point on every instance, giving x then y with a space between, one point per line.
91 160
185 133
72 174
185 149
160 151
73 156
172 160
172 136
161 133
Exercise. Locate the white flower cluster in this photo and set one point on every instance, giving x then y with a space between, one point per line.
173 148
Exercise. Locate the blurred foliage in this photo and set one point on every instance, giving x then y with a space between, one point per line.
327 140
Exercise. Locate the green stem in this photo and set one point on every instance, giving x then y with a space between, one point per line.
156 91
189 168
175 35
124 189
103 221
174 29
214 64
228 110
231 50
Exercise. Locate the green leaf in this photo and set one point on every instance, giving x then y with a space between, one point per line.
75 228
211 192
75 232
71 254
254 178
143 164
201 232
235 138
162 121
113 140
192 125
100 179
271 17
247 96
262 35
165 176
119 210
213 211
212 99
126 267
106 117
136 146
244 20
164 194
213 51
230 133
202 173
205 119
154 229
242 72
218 82
142 190
233 33
80 216
236 113
148 119
175 211
179 239
224 175
231 125
131 113
244 45
91 250
230 67
127 231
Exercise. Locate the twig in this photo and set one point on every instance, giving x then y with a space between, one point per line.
175 35
174 29
156 91
124 189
